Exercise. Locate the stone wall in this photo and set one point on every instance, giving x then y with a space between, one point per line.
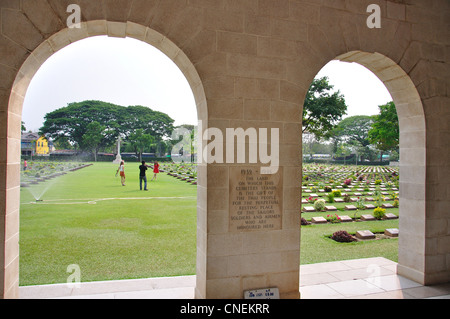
250 63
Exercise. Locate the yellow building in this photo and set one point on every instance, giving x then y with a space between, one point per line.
42 146
33 144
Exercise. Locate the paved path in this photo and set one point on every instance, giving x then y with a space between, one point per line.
360 278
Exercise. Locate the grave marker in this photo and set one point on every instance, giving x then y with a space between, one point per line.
318 220
390 216
367 217
346 219
365 234
391 232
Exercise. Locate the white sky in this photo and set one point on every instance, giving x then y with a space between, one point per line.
362 89
115 70
131 72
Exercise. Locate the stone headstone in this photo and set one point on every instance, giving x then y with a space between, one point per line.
350 207
391 232
370 199
346 219
365 234
318 220
338 200
390 216
369 206
330 208
387 205
367 217
308 209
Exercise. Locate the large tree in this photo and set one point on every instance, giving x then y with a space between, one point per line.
140 142
93 138
354 131
71 122
322 109
385 130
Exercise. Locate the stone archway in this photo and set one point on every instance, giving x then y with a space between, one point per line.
249 64
412 159
30 67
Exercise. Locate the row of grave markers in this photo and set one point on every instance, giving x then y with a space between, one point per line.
347 219
310 209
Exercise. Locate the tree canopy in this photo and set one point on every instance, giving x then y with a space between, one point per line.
72 123
385 130
322 108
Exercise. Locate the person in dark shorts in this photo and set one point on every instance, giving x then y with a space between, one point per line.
142 175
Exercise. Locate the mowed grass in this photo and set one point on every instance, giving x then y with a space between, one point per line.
113 232
122 233
317 247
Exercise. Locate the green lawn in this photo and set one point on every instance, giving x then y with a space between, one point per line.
113 232
128 234
316 246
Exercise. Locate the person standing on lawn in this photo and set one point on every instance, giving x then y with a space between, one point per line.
155 170
142 175
121 170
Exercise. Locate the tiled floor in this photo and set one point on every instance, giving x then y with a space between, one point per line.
361 278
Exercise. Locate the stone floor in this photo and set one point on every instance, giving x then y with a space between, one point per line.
360 278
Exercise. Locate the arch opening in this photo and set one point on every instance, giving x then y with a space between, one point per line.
38 58
412 165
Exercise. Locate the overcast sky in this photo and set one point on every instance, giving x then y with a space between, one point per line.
130 72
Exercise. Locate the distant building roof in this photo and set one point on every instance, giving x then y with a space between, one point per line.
28 137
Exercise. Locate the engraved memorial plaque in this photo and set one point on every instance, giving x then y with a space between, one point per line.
255 199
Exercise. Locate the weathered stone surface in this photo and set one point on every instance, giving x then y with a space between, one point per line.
318 220
390 216
367 217
391 232
330 208
350 207
365 234
295 39
346 219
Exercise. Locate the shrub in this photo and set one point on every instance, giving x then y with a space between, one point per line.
330 198
319 205
327 189
304 222
334 219
342 236
378 182
396 204
348 181
347 198
379 213
337 193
